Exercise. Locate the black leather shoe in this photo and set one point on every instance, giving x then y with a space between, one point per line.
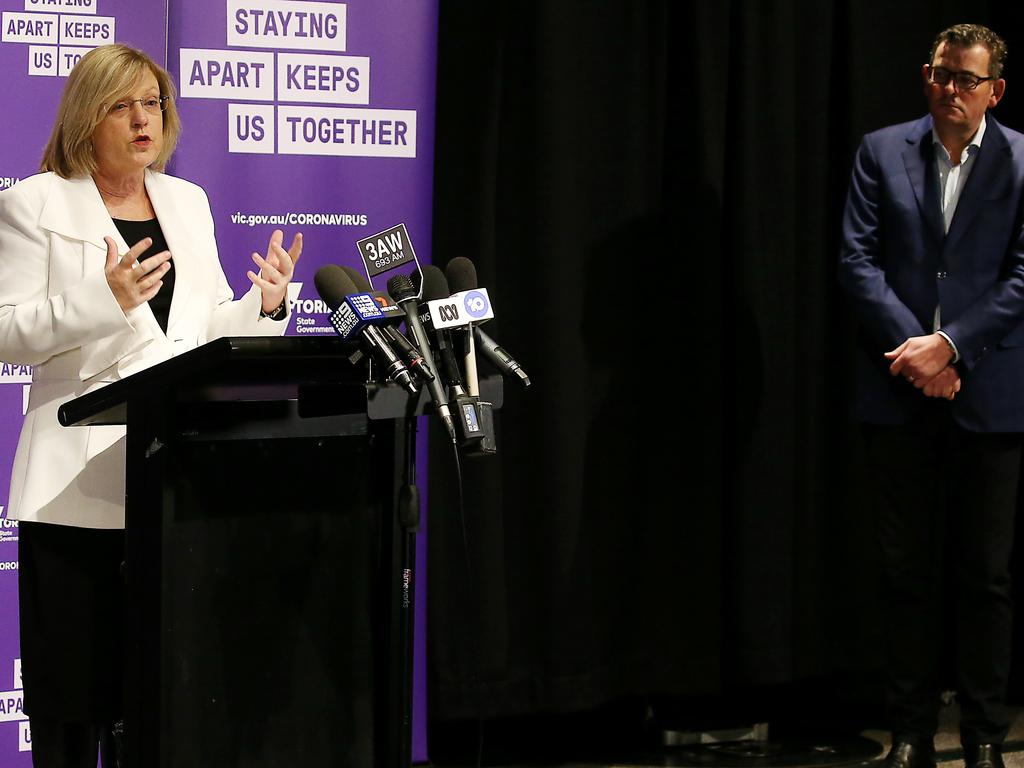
904 754
984 756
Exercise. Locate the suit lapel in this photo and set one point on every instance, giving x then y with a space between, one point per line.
985 182
919 161
75 210
176 229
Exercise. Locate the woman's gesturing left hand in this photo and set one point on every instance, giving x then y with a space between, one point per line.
276 269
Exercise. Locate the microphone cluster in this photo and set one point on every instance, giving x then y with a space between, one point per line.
437 349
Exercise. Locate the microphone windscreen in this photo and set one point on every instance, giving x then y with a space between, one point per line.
401 288
332 284
358 279
435 284
461 275
345 282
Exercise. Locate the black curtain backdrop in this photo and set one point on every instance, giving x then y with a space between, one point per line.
651 192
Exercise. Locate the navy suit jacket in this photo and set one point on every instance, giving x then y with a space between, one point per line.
897 265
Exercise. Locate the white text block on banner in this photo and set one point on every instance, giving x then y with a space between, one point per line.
323 79
311 26
86 30
214 74
78 6
11 373
68 57
38 28
24 737
351 132
42 60
251 128
11 706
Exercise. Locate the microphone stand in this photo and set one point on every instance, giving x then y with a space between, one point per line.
400 541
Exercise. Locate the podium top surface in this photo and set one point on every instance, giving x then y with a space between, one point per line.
316 371
235 367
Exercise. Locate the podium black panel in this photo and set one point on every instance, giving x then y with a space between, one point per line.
265 600
267 617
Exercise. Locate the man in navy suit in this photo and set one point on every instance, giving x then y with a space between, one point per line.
933 260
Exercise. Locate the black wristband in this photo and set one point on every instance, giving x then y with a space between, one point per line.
277 312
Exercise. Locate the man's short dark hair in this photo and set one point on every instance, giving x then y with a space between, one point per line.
970 35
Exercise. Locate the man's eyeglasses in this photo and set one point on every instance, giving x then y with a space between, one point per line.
962 81
152 104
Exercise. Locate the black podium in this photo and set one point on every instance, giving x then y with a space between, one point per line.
269 533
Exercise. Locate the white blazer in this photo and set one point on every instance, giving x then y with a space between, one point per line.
57 314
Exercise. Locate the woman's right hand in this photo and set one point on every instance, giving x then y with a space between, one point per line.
134 282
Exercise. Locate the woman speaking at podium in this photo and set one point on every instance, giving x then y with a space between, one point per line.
107 266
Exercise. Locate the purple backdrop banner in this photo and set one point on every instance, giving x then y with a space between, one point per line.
315 117
41 40
301 115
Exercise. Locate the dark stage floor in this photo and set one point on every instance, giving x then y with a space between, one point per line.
546 748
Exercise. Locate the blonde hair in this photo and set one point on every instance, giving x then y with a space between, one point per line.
101 77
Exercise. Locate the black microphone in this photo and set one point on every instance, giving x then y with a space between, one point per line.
435 286
414 359
473 427
358 279
462 277
355 315
501 359
404 293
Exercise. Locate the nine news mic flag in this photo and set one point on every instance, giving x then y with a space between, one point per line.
356 316
409 352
